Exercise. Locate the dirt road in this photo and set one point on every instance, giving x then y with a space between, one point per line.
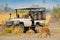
28 37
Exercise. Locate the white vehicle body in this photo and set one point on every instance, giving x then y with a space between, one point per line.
26 22
40 21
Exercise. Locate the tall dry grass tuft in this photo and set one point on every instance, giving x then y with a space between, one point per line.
48 17
13 30
17 30
5 16
30 31
9 29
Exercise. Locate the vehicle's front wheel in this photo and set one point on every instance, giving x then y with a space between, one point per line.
21 26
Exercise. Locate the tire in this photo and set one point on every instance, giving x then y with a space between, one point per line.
37 23
33 28
21 25
26 29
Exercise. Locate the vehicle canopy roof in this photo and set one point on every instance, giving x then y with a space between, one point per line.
33 9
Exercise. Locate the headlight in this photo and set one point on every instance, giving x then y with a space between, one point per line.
9 22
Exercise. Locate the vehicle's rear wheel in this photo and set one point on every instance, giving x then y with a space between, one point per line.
21 26
37 23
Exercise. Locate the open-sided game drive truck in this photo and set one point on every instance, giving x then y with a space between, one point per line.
35 16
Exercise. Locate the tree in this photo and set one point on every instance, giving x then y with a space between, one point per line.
1 8
6 7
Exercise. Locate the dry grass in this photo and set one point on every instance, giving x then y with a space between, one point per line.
48 17
4 17
13 30
17 30
30 31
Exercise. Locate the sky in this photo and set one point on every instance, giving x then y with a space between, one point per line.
27 3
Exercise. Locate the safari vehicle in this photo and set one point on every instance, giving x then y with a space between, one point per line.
34 17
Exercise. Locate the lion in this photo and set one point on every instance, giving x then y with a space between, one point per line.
43 30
